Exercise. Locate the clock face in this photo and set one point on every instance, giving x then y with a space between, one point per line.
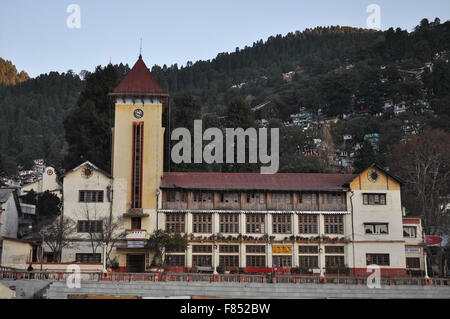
373 176
138 113
86 172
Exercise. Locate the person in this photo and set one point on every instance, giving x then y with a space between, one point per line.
30 269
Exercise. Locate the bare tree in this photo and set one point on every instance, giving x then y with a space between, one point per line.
103 229
57 235
424 165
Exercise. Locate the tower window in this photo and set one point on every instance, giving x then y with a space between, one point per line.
138 143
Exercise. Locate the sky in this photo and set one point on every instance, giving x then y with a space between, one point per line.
36 37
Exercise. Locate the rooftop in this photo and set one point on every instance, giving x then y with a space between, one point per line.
256 181
139 81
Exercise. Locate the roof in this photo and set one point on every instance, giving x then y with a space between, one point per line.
5 194
18 240
381 169
139 81
256 181
91 165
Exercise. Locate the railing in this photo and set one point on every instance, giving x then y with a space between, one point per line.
209 278
136 234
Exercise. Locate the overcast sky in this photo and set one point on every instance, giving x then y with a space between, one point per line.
35 36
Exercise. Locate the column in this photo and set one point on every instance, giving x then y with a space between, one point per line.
215 223
189 223
189 256
269 255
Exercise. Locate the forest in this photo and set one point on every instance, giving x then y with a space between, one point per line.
65 118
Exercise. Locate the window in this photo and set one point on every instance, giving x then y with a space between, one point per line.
307 224
202 223
334 249
229 223
374 199
255 223
412 262
175 223
175 260
137 168
308 261
281 223
334 224
308 249
333 198
255 249
176 196
377 259
229 261
255 198
409 231
333 261
228 197
229 249
204 197
202 248
90 226
202 260
308 198
281 198
256 261
136 223
282 261
376 228
90 196
88 258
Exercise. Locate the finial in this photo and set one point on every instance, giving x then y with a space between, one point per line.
140 50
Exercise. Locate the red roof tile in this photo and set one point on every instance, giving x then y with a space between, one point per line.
139 81
256 181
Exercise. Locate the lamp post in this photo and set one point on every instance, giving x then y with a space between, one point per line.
104 257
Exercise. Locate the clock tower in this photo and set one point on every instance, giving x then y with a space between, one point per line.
137 154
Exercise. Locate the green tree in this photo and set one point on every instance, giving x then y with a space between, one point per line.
365 157
239 114
186 111
161 241
88 125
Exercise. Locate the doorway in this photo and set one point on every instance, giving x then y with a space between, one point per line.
135 263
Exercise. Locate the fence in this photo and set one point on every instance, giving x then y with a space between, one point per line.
6 274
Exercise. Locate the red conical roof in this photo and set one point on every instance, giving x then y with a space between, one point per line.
139 81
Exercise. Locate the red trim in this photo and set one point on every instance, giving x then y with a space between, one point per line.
141 158
133 165
385 272
411 220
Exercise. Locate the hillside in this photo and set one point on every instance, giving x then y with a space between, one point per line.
31 118
328 72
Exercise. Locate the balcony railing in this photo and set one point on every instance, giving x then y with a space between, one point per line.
137 234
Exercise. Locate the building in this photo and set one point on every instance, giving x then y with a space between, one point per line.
9 212
87 202
16 253
47 182
315 222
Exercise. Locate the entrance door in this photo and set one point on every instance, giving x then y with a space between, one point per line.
135 263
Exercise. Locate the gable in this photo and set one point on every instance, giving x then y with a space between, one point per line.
366 181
